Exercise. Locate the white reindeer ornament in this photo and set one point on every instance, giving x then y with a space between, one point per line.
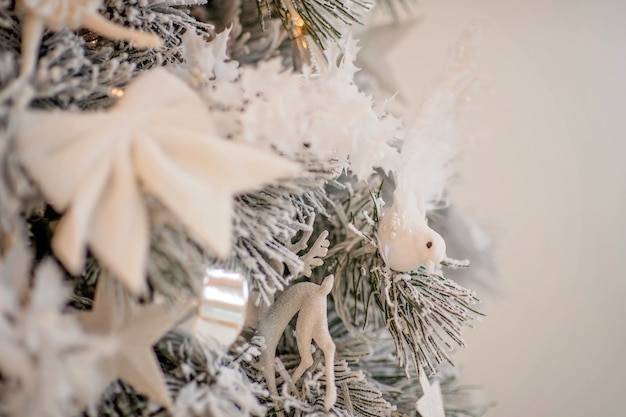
309 299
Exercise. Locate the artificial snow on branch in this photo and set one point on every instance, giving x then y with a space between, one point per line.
49 367
69 14
267 220
84 69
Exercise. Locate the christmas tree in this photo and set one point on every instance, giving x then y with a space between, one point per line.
207 210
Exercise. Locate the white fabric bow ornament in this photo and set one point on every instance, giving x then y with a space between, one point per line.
159 135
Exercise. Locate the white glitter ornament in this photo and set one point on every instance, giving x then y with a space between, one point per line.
309 301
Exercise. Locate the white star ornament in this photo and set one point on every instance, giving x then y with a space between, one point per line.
133 332
431 403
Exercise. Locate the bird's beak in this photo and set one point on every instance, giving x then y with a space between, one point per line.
430 266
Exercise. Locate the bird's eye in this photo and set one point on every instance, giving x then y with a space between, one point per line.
429 245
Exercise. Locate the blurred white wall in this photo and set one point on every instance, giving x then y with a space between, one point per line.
548 183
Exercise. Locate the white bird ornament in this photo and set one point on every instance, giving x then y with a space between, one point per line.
405 241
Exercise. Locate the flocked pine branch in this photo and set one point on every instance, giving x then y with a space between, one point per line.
250 41
44 353
80 69
265 223
356 395
377 360
369 380
324 19
203 379
207 380
424 313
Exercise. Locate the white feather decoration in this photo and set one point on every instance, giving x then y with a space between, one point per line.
269 107
423 168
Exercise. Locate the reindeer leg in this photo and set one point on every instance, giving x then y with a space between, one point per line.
325 342
267 367
304 335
